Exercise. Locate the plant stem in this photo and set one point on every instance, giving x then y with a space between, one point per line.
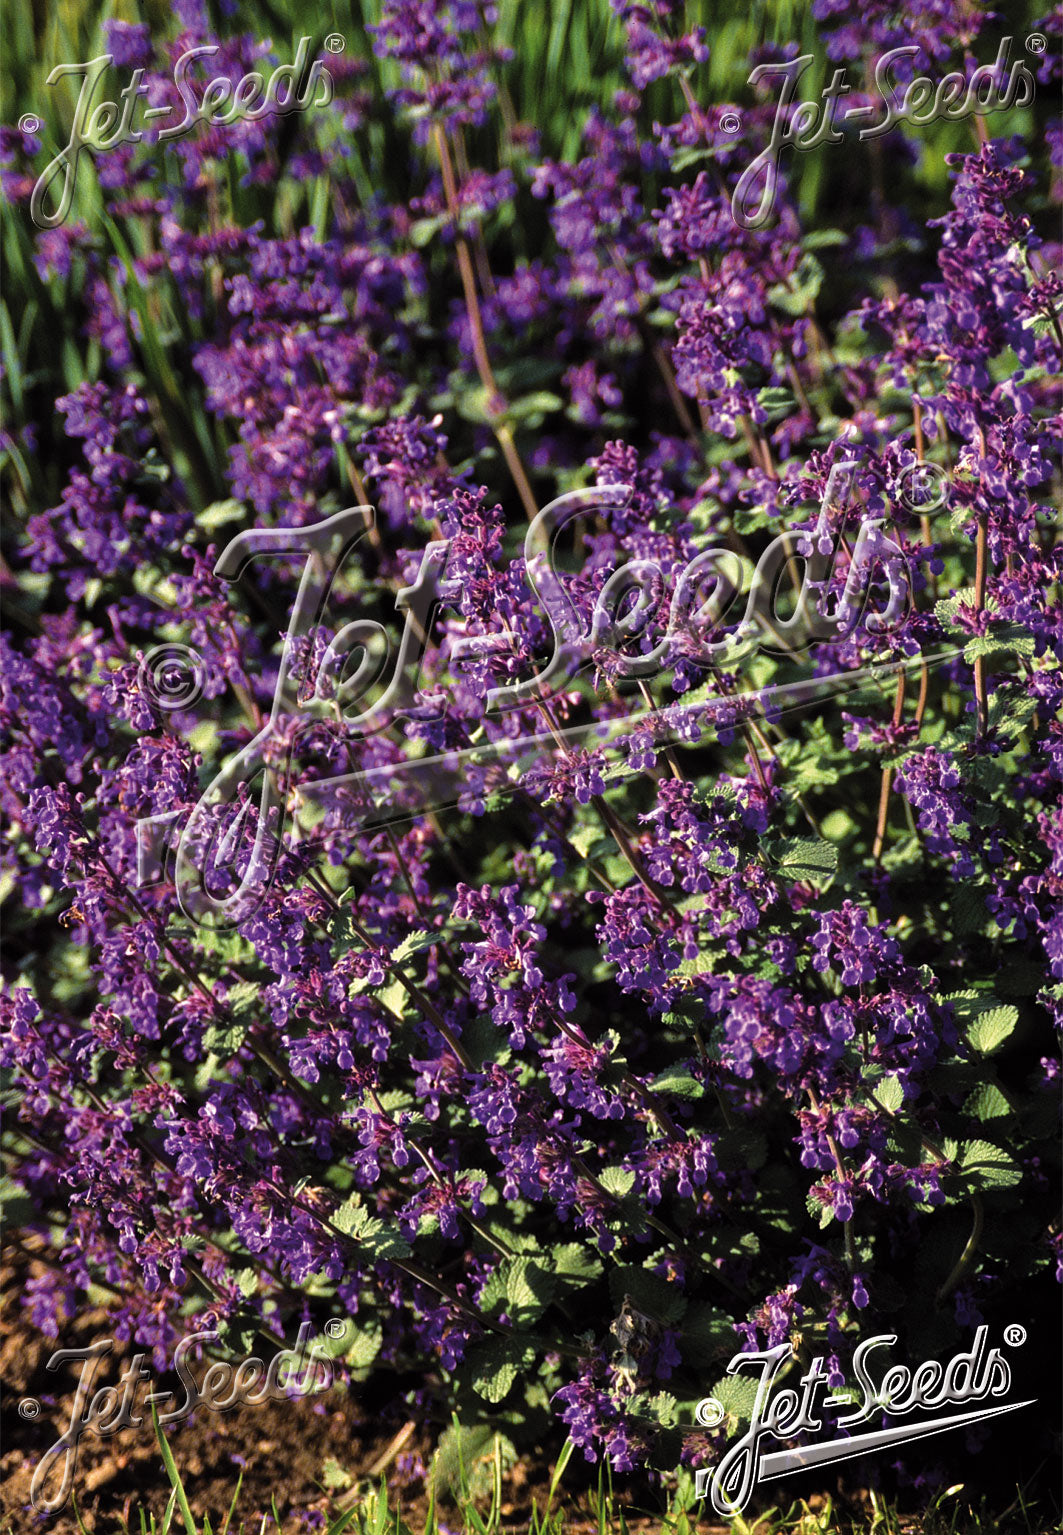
847 1226
496 404
887 777
981 564
963 1263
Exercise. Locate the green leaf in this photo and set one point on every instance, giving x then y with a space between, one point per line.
239 1332
334 1347
531 408
837 825
206 1072
748 519
1010 709
815 770
737 1395
575 1265
484 1040
904 858
383 1240
694 155
463 1463
244 997
380 1238
968 911
987 1102
988 1030
810 860
986 1166
685 1013
422 231
707 1333
495 1366
226 1036
818 239
230 948
655 1297
350 1215
334 1476
890 1094
394 997
617 1180
529 1290
342 934
412 944
969 1002
1000 645
364 1346
677 1083
220 512
394 1100
775 401
493 1293
945 610
799 295
662 1406
223 1040
16 1206
588 840
473 404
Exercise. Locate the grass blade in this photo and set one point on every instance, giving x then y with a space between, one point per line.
173 1473
232 1505
167 1516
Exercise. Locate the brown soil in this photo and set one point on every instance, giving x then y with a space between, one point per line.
282 1448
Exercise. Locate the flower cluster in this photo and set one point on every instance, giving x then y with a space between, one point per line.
625 1020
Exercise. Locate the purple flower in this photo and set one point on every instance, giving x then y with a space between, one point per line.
128 44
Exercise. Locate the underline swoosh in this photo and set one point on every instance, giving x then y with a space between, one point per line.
441 777
862 1444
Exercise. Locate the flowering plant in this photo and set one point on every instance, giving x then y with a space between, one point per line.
564 1086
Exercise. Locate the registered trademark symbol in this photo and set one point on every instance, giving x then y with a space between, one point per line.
29 1407
730 122
709 1412
1015 1335
335 42
28 123
1036 42
335 1327
924 487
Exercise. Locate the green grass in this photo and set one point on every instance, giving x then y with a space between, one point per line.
567 59
473 1500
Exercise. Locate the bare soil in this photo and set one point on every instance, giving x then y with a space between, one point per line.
282 1448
